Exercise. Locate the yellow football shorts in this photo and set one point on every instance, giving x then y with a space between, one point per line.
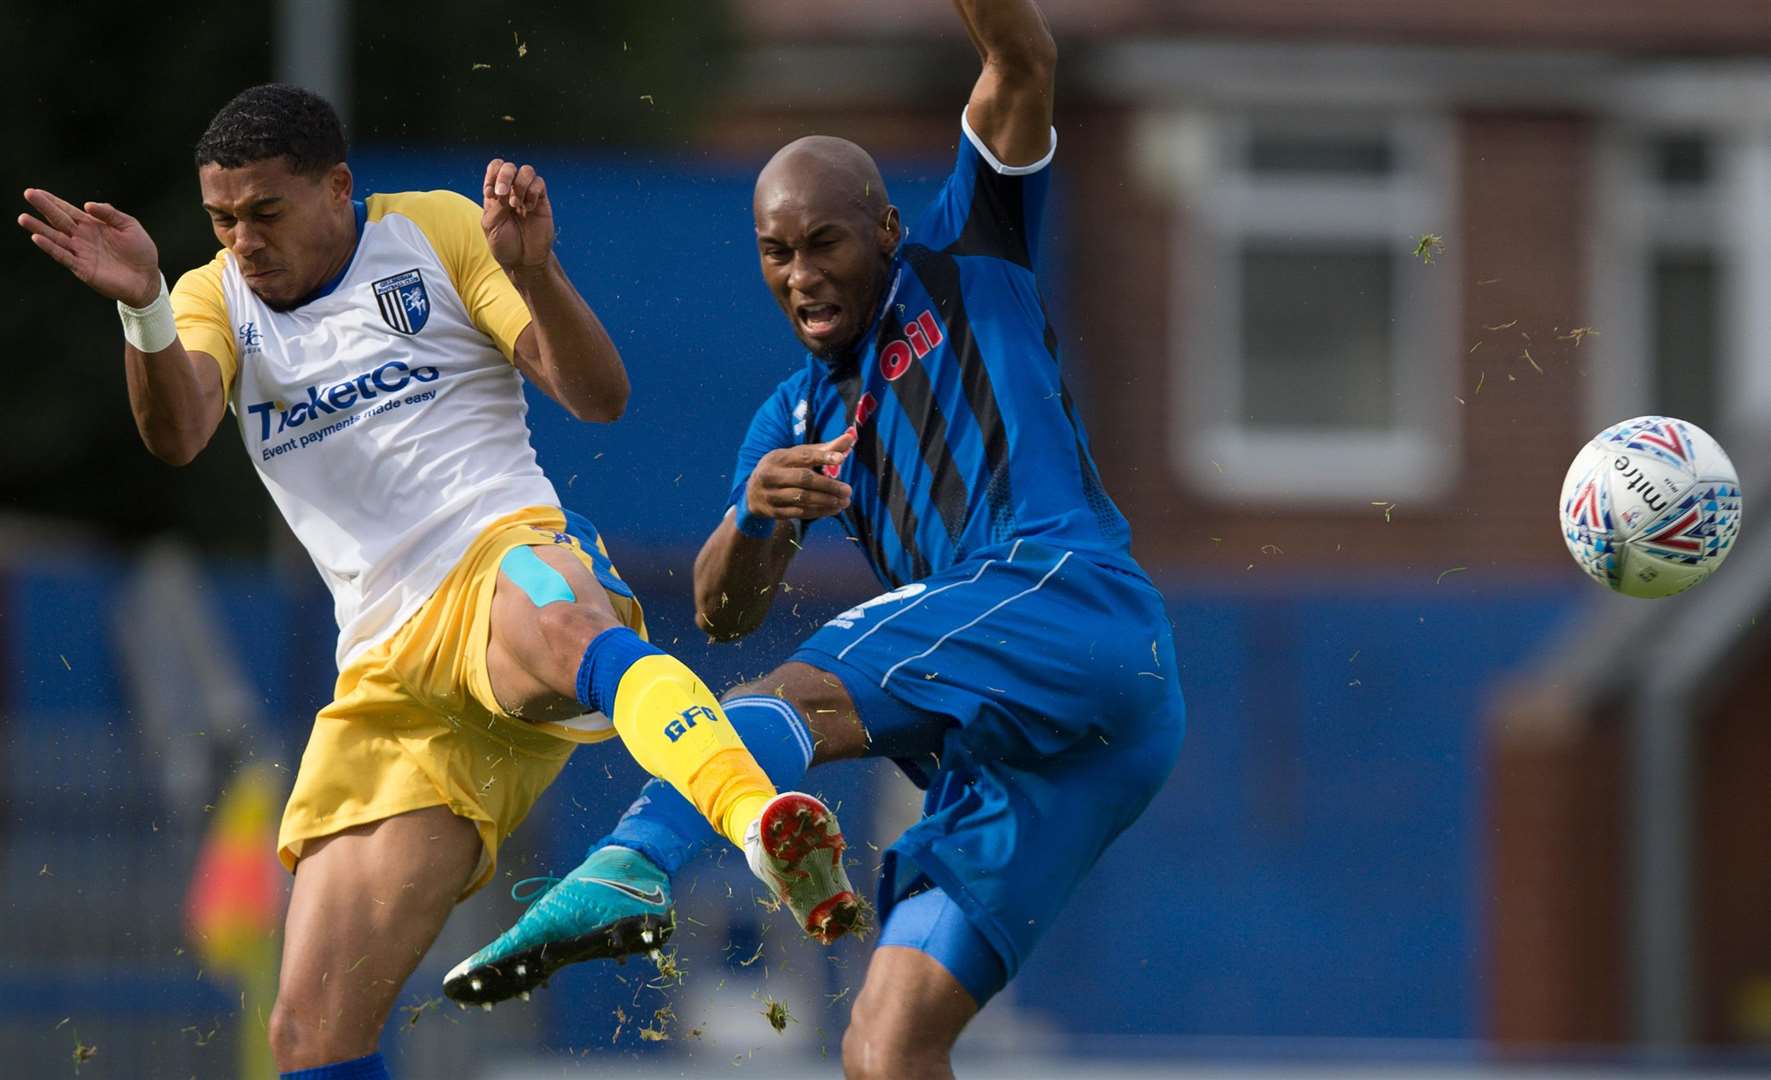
413 722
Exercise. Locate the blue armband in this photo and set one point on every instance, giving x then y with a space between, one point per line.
755 526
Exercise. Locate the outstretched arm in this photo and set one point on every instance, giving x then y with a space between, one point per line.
176 396
1011 104
565 350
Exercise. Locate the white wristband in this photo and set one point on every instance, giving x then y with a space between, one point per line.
152 328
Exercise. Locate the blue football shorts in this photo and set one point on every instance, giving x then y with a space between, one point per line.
1032 692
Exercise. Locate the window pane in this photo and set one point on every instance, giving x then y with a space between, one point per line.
1680 160
1319 154
1316 337
1685 294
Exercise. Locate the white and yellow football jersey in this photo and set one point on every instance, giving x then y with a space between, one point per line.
384 416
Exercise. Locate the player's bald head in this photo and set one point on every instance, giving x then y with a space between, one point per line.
825 236
821 172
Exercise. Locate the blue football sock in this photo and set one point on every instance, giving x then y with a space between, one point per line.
363 1068
662 826
609 656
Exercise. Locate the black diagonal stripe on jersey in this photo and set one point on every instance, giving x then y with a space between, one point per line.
870 453
939 274
848 387
891 489
1095 492
858 532
1084 466
916 396
996 221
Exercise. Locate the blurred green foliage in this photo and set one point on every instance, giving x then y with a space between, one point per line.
589 74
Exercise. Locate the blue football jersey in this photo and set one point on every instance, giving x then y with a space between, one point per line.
965 434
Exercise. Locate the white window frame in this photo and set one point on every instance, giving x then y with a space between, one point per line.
1202 153
1635 217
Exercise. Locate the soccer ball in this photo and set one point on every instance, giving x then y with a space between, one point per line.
1651 506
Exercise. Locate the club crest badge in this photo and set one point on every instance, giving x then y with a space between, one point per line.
403 302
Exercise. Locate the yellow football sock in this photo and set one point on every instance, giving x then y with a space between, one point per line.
673 726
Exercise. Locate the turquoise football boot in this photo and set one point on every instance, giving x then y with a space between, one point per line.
616 904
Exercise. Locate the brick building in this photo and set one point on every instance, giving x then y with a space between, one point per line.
1288 381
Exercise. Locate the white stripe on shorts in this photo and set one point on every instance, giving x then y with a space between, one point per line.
976 621
987 564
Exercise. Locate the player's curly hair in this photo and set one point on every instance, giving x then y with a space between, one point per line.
271 121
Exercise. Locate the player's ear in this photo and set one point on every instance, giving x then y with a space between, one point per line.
340 182
891 232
